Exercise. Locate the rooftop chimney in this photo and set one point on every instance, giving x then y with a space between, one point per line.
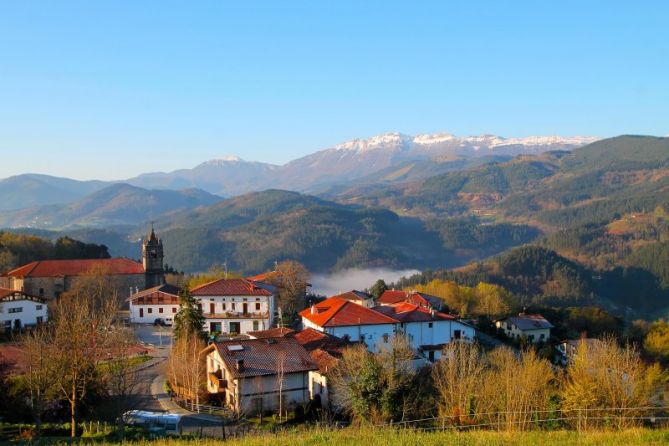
313 309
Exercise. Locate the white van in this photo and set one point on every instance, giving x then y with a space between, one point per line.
155 422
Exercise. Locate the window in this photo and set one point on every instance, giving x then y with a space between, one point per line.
233 305
174 309
429 325
256 325
160 310
41 292
223 306
457 334
257 306
149 310
15 310
39 307
40 319
385 337
430 355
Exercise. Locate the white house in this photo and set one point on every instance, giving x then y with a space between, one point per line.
160 302
236 306
427 330
252 376
351 322
18 310
532 327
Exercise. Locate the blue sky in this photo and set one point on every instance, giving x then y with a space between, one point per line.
109 89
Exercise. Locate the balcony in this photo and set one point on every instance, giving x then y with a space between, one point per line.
217 383
237 315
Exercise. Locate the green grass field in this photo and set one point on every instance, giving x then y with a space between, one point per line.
391 437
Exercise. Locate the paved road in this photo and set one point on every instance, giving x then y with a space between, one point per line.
150 394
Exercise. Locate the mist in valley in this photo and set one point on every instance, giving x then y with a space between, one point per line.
355 279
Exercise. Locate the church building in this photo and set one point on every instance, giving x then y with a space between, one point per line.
48 279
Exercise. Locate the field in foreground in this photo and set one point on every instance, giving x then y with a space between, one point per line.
391 437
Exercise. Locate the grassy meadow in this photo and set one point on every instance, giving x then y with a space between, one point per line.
397 437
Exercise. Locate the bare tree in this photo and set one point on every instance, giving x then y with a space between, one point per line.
81 328
186 368
458 378
122 372
516 387
38 378
606 381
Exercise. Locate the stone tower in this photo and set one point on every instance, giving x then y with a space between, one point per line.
152 259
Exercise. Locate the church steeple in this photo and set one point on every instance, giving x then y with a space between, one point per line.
152 259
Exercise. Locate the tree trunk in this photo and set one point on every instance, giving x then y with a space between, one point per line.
73 411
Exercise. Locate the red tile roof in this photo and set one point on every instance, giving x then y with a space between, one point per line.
334 311
313 339
230 287
408 312
263 356
161 294
278 332
60 268
390 297
325 359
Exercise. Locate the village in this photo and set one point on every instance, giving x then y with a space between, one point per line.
229 347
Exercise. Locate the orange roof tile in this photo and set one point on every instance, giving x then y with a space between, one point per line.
334 311
390 297
230 287
61 268
408 312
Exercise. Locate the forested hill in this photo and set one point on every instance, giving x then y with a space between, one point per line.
252 231
19 249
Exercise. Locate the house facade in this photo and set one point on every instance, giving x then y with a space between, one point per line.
236 306
351 322
159 302
254 376
532 327
19 310
428 331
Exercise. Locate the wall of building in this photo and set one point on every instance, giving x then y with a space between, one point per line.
375 336
227 309
29 312
318 386
147 314
295 391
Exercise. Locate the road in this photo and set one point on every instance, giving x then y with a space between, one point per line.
149 393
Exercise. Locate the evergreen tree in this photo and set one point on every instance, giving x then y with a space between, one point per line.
378 288
189 320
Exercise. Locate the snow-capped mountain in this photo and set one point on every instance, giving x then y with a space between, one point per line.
347 162
362 157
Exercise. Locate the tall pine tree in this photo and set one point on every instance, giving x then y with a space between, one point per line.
189 320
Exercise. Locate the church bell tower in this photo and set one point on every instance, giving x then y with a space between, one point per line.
152 259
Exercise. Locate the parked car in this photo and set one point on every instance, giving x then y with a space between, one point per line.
163 322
